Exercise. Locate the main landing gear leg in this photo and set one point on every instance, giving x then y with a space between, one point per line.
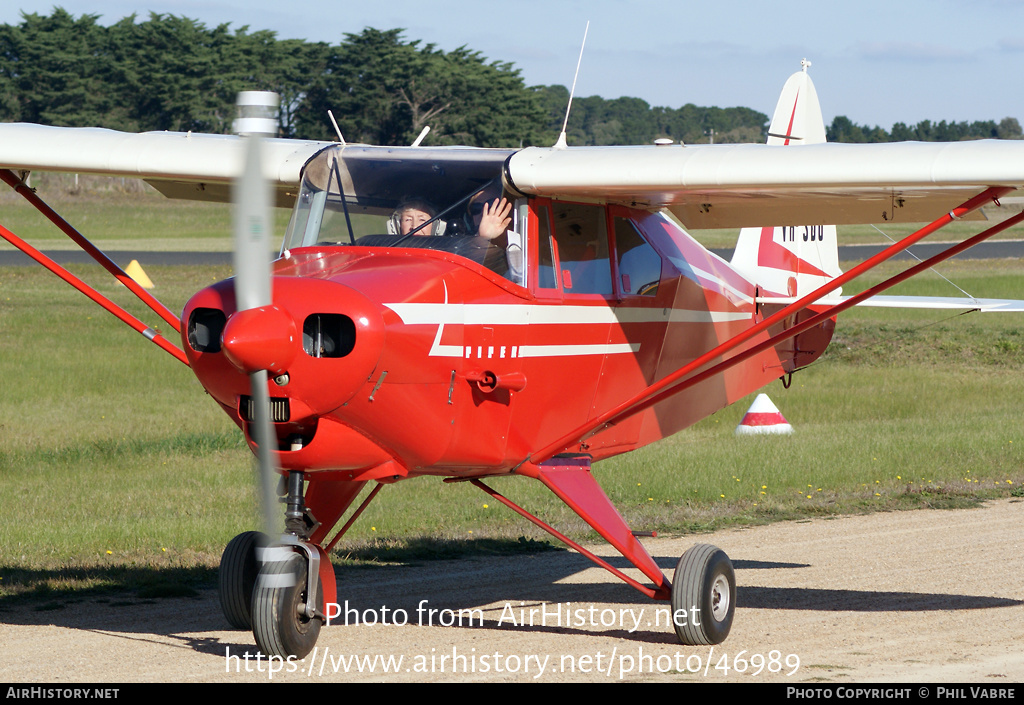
703 590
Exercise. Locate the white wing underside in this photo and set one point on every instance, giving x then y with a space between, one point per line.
178 164
705 186
727 186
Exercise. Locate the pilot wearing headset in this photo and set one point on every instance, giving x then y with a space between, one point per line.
412 214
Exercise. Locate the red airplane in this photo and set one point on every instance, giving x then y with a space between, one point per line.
471 313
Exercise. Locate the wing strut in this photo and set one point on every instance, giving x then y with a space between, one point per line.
18 185
682 378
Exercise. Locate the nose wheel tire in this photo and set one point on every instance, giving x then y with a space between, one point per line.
279 627
237 577
703 596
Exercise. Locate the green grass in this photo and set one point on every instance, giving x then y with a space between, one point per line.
119 472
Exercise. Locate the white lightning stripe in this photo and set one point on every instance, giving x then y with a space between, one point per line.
680 316
721 282
521 315
441 314
567 350
438 350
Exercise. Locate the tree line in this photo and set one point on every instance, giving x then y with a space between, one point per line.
843 129
174 73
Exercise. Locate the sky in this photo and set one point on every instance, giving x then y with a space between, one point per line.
875 62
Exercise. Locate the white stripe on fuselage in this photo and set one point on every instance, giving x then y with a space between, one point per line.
441 314
533 314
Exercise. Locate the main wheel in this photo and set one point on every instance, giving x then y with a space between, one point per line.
280 593
237 577
703 596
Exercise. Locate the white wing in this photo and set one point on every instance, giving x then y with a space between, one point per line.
706 186
179 164
727 186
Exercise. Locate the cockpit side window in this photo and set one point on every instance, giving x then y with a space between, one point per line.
639 265
545 250
582 240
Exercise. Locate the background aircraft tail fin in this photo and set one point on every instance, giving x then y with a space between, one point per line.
791 260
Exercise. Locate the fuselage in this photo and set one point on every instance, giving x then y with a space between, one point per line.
457 356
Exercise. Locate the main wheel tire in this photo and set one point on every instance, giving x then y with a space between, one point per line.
239 567
703 596
276 623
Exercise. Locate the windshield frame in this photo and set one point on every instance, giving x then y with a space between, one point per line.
352 196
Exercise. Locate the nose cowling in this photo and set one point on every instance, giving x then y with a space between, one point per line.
325 336
262 338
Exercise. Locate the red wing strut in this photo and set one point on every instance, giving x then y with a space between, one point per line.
671 384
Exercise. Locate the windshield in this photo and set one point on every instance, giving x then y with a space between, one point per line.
442 199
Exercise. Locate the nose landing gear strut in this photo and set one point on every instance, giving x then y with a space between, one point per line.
276 589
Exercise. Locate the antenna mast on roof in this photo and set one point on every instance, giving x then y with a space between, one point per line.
560 144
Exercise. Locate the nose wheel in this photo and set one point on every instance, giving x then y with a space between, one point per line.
275 588
703 596
280 621
239 567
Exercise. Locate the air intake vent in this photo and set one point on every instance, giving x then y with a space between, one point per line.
328 335
279 409
205 326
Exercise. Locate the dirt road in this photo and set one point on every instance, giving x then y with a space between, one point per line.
923 596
